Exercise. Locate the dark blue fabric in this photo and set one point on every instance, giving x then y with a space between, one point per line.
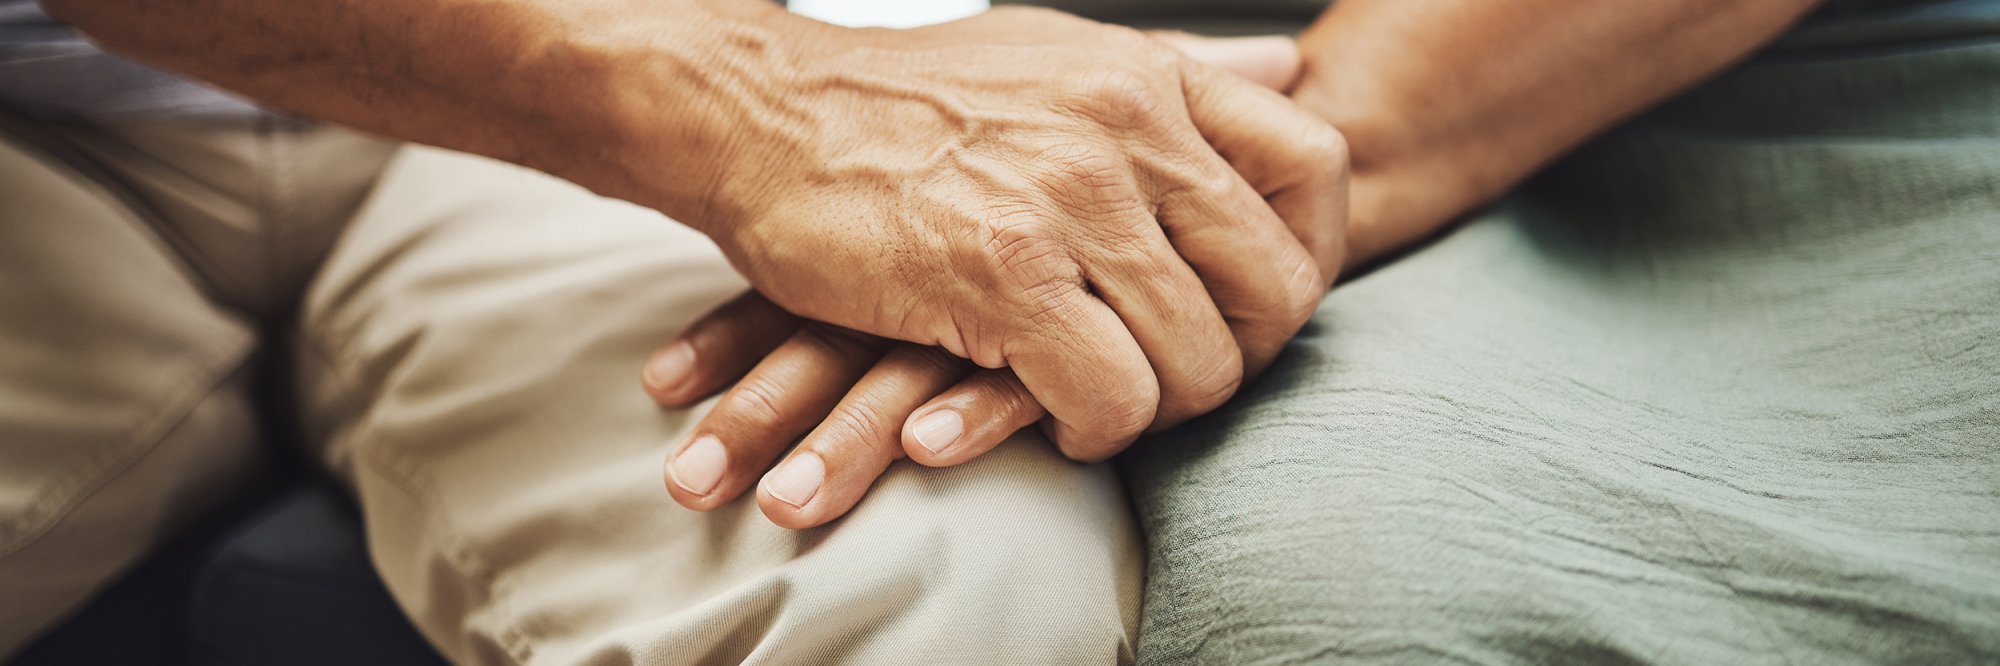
294 586
281 577
48 70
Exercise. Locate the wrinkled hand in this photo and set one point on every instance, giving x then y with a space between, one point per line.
1098 225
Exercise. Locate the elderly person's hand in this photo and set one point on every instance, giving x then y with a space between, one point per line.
1124 228
1034 191
858 394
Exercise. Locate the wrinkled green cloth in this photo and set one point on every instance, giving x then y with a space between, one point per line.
1723 387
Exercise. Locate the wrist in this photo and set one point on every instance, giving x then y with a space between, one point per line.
1411 171
662 109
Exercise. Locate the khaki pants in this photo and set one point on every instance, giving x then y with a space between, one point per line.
466 358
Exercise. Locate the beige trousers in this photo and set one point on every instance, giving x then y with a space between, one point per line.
466 357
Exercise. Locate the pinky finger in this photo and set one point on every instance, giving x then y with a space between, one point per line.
969 419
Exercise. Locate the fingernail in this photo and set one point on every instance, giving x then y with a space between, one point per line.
938 430
700 465
669 368
796 481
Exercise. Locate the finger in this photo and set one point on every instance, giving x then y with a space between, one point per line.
1078 360
1289 156
1264 266
1261 279
785 395
716 349
1169 312
970 418
1272 61
836 464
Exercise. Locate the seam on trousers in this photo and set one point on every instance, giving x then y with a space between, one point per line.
182 253
211 366
61 498
396 471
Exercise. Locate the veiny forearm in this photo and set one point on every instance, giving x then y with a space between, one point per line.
553 85
1448 103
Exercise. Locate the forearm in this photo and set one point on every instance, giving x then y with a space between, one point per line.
1448 103
553 85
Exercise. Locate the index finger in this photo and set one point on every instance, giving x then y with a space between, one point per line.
1294 159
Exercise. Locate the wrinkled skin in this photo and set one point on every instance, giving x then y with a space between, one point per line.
855 392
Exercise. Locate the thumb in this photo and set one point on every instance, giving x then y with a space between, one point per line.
1272 61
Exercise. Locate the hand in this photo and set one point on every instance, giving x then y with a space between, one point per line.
807 368
1039 192
852 391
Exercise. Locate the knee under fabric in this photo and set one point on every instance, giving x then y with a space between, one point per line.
1718 388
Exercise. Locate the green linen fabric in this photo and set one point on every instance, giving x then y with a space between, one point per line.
1721 387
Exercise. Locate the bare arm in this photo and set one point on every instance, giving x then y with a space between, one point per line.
527 82
1127 230
1448 103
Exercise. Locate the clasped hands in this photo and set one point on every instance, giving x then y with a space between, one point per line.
1021 218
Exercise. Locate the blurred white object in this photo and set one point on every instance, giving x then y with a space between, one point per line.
887 13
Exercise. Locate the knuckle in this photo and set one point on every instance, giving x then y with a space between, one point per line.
1217 184
1127 416
1005 394
1214 380
1325 147
1049 304
1019 241
1280 310
1079 174
857 423
1027 258
754 404
1303 290
1121 98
